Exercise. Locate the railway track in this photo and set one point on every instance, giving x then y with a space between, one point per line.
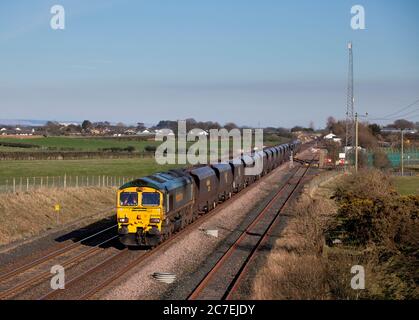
87 284
37 277
121 269
222 281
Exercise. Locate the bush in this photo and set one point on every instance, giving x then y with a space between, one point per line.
366 184
150 148
18 145
380 160
371 211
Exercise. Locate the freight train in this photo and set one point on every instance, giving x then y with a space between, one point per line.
150 209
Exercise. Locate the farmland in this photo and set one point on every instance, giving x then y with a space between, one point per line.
95 144
77 144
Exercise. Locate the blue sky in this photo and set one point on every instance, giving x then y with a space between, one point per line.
266 62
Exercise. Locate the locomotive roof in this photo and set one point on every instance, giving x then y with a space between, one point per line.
163 181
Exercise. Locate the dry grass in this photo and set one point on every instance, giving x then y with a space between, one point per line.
295 268
28 214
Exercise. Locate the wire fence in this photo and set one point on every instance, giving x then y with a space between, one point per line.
21 184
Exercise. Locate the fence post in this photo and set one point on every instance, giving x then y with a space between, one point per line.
65 180
87 181
14 185
27 184
77 181
42 182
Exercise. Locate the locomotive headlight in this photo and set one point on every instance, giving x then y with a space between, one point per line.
154 220
123 220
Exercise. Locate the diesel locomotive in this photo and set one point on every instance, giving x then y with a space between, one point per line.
150 209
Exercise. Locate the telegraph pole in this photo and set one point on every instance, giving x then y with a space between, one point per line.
356 142
357 137
402 155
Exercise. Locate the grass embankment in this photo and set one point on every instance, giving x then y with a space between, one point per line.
357 220
28 214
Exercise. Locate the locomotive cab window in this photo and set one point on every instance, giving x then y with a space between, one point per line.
128 199
150 199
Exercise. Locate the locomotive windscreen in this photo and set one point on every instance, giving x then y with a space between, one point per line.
150 199
128 199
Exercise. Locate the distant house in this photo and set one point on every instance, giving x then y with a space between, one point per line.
129 132
333 137
198 132
394 130
144 133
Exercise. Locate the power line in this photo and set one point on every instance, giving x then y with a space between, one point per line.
398 116
402 109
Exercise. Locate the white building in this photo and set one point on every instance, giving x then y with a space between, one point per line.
332 136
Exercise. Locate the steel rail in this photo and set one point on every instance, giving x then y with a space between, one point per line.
17 289
50 256
204 282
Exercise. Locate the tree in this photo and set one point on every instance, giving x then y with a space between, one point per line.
297 129
375 129
403 124
230 125
380 160
52 128
337 127
330 123
140 126
86 125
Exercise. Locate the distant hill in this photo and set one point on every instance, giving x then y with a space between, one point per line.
21 122
38 123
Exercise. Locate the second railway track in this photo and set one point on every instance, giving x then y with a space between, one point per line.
224 277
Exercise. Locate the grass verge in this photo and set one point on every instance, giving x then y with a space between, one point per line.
28 214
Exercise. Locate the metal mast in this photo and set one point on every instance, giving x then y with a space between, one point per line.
350 102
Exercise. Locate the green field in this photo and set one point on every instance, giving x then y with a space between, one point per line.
407 185
77 144
93 167
95 144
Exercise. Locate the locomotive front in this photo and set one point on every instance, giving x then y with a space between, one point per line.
140 213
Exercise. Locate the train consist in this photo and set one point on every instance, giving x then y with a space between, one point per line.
152 208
